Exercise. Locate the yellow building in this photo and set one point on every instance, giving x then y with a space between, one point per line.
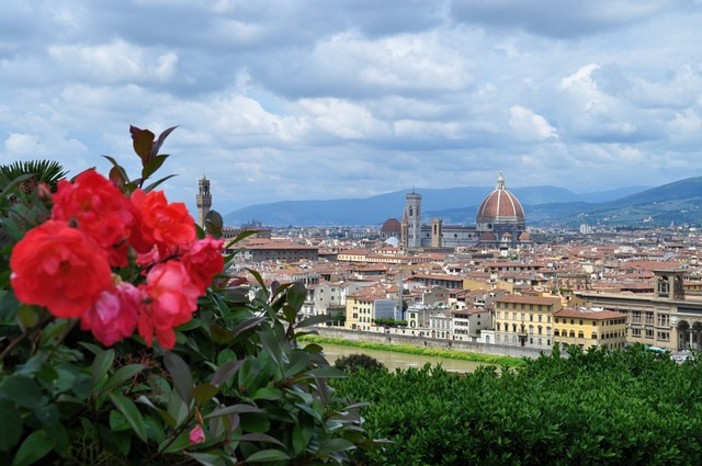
589 328
368 304
525 320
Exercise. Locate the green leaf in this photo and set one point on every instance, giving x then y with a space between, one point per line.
32 366
101 365
10 425
247 325
289 313
220 335
182 378
48 415
326 372
234 409
118 422
161 139
208 459
255 422
122 374
122 440
27 316
34 448
298 361
8 306
256 437
297 294
302 433
243 235
267 393
23 391
267 456
156 183
177 409
153 165
131 414
226 370
214 223
314 320
336 444
181 443
204 393
271 344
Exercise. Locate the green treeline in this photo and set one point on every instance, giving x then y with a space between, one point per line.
409 349
599 407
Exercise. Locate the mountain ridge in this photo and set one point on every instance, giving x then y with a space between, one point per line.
456 205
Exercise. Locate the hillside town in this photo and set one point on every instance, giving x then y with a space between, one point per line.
498 286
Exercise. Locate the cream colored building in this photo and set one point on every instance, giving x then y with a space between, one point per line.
525 320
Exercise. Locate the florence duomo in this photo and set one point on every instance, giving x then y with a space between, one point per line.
500 224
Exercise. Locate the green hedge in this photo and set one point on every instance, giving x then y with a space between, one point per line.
409 349
600 407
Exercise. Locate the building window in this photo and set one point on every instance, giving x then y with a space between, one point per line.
556 333
663 320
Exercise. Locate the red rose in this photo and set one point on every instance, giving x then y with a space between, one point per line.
172 299
60 268
114 315
204 260
99 209
168 226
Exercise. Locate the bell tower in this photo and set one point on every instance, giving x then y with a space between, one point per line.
203 200
413 216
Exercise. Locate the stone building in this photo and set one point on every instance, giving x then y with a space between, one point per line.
500 223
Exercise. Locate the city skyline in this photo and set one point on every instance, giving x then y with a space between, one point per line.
283 100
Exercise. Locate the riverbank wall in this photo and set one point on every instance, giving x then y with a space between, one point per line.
426 342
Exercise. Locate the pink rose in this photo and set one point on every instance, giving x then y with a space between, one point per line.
197 435
114 316
172 299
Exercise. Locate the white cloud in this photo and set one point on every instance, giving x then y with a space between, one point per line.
530 125
115 62
22 144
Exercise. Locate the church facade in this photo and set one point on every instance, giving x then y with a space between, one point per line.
500 224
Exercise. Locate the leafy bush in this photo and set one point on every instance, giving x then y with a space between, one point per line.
600 407
356 361
181 365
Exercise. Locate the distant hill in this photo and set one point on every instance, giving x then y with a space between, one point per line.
454 205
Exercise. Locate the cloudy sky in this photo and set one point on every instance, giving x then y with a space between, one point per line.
301 99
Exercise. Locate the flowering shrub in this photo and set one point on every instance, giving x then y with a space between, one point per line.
64 264
196 369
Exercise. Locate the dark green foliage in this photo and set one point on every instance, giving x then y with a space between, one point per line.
356 361
600 407
390 322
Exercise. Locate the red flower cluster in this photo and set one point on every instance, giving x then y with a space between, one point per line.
66 264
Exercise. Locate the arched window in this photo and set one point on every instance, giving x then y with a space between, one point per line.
581 334
556 333
572 334
593 336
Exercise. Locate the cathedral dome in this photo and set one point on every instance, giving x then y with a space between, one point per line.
391 226
500 207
